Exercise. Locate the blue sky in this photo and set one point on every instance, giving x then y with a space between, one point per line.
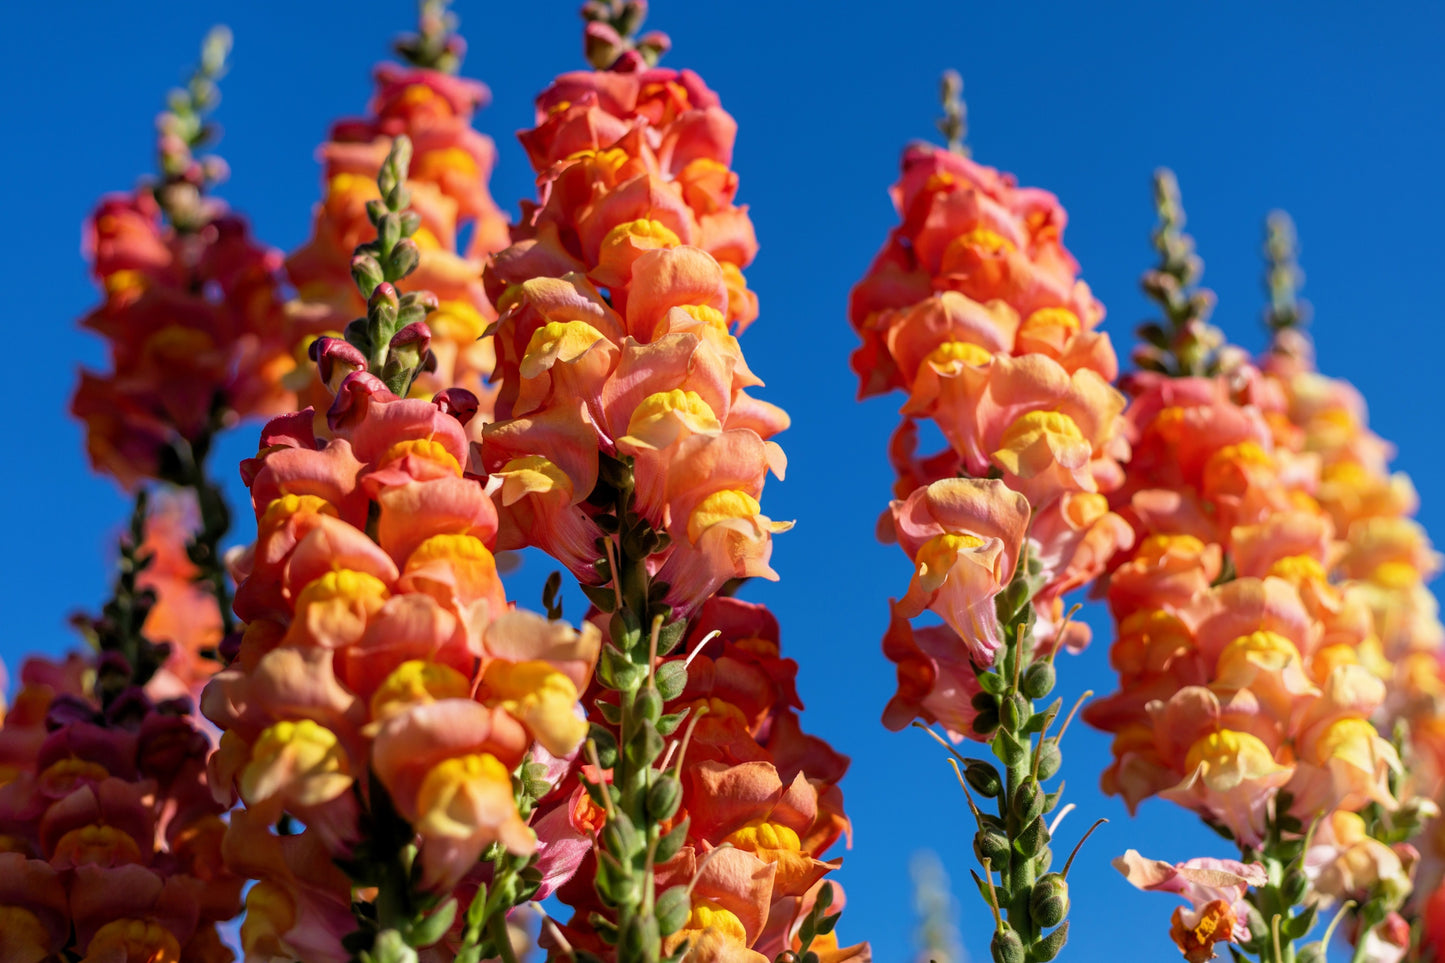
1322 109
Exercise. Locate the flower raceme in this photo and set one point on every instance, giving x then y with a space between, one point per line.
112 843
381 664
759 807
620 298
447 182
628 446
973 309
1261 680
1271 630
195 330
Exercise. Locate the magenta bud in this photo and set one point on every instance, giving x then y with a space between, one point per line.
601 44
460 403
655 42
335 359
385 293
353 398
415 336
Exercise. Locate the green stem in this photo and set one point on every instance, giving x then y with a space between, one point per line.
501 941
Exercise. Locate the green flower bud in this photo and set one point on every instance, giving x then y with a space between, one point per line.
649 704
663 798
1038 681
1049 900
985 723
1295 884
1016 711
1032 839
1050 759
1007 947
983 778
992 845
1027 802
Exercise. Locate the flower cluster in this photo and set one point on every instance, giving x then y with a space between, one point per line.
975 311
460 224
1271 629
110 840
616 299
1234 683
758 805
627 446
381 669
973 308
195 327
192 314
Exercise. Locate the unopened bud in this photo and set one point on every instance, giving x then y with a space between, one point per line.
405 257
1038 681
983 778
664 798
366 273
991 844
1049 759
1049 900
335 359
1027 802
1016 710
1007 947
649 704
385 294
460 403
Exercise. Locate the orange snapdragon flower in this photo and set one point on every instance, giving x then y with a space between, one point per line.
448 184
974 309
379 640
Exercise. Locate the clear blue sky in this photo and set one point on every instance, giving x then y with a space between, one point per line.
1326 110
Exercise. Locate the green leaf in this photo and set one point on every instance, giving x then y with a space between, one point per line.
1048 947
992 683
673 906
610 711
668 724
671 679
434 927
669 844
606 744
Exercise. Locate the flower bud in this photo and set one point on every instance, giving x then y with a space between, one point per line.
649 704
1049 900
1033 838
405 257
409 345
641 939
460 403
1038 681
1016 710
1027 802
1007 947
620 837
1050 759
672 908
991 844
335 359
985 722
366 272
664 798
983 778
1295 885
